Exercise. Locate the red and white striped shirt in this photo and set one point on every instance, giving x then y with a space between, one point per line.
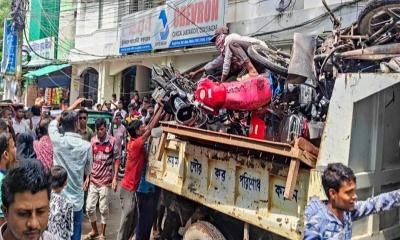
104 156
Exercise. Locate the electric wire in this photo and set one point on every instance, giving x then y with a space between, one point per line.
310 21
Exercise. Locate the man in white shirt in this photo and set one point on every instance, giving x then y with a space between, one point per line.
114 101
120 110
19 123
233 53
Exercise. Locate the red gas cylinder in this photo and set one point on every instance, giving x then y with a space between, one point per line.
247 95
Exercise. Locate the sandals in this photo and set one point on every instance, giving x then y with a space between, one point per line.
101 237
90 236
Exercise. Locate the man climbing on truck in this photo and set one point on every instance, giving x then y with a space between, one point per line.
332 219
233 54
135 161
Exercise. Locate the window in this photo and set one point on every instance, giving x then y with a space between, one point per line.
126 7
133 6
140 5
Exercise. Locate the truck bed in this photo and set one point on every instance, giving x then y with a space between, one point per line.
259 182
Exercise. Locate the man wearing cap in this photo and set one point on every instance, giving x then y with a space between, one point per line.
233 53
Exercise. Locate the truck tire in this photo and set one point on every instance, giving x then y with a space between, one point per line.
203 230
371 10
274 61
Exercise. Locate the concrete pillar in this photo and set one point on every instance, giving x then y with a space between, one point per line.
142 81
106 83
75 84
116 87
100 85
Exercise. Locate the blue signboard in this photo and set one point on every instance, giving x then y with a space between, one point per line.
10 41
177 24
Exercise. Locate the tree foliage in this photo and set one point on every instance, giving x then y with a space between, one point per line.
5 8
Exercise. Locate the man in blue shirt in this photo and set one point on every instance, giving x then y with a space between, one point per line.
74 154
332 219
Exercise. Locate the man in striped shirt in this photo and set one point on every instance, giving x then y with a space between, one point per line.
102 177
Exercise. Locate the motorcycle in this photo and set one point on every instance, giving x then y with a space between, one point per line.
362 46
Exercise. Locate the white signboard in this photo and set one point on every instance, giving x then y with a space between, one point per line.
44 47
177 24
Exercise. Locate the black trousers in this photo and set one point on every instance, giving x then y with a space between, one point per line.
147 210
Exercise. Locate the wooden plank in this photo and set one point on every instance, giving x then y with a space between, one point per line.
161 146
239 141
291 178
171 125
307 146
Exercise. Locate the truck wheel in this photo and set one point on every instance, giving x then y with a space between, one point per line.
203 230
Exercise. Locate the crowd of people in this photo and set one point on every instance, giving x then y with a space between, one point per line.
74 169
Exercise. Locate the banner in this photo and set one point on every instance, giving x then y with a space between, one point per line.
44 47
10 42
179 23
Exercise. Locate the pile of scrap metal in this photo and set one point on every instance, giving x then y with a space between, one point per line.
290 97
254 107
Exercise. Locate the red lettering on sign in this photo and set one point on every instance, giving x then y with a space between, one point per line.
207 11
176 18
200 8
193 13
182 21
196 13
186 15
214 15
143 25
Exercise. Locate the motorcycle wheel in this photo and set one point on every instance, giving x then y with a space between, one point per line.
275 61
376 13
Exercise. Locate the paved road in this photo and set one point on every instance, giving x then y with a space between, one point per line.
113 222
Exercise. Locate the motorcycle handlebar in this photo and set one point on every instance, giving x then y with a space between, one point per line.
201 105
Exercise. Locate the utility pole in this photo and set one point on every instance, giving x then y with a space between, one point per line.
18 70
18 18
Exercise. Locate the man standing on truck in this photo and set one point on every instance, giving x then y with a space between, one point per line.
332 219
133 171
233 54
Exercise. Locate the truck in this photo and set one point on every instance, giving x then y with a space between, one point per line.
221 186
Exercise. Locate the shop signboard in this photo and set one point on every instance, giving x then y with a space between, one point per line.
178 23
10 41
43 47
136 32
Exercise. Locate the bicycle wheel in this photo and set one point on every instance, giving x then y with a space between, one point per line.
376 14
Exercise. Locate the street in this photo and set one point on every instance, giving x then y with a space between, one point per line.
113 221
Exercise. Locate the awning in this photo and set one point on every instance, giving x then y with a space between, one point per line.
47 81
44 71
